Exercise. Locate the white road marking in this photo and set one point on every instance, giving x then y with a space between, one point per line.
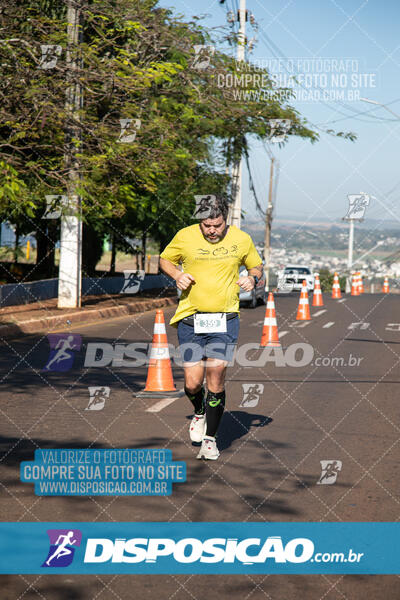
257 323
320 312
282 333
161 404
342 300
360 325
328 325
300 324
393 327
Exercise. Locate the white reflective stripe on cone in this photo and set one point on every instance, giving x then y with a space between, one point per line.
270 305
159 353
269 321
303 301
159 328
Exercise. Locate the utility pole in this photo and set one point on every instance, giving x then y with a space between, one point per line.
236 207
70 269
357 206
268 225
351 245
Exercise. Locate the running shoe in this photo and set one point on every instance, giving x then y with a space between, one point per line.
197 428
208 449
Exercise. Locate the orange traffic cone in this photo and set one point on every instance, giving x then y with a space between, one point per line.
160 382
303 312
336 293
317 295
270 336
354 286
385 287
360 284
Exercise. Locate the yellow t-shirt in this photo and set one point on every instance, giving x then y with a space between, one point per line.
215 268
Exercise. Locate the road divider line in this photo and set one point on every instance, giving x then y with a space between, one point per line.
298 324
320 312
342 300
282 333
158 406
257 324
328 325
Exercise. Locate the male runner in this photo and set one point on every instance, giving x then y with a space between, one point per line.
207 316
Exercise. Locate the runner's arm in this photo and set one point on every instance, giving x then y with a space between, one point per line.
183 280
247 283
256 271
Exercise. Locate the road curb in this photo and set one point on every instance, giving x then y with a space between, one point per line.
83 316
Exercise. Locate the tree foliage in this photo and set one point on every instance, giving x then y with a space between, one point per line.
138 62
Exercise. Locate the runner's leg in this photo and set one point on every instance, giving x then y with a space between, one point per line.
193 365
194 376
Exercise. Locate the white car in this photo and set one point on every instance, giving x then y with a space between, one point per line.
292 277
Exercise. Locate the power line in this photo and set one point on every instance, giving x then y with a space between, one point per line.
252 187
277 52
366 112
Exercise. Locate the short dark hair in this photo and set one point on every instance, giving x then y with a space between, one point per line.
219 207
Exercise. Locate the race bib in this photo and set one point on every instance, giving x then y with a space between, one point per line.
210 323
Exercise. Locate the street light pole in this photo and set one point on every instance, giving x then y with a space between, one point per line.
236 209
268 225
351 245
70 268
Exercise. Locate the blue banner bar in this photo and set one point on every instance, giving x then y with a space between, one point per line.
209 548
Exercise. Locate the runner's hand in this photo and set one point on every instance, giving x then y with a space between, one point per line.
184 280
246 283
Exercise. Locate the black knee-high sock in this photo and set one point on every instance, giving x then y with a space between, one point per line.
197 400
215 404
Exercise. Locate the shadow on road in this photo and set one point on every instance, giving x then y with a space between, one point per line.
237 423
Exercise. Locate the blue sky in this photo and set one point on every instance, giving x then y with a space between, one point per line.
315 179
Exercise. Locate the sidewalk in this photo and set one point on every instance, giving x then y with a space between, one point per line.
44 316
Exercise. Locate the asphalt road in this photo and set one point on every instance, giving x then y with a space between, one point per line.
340 406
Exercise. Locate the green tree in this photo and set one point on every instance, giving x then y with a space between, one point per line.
138 63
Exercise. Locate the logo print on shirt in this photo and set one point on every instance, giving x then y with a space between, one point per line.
220 251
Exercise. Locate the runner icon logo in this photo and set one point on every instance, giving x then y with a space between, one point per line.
56 204
50 55
204 205
202 56
132 281
357 206
129 129
62 348
62 547
251 394
98 397
279 129
329 471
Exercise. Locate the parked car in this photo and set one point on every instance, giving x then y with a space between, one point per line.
257 295
293 276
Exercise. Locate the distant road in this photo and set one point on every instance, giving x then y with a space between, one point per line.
340 410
